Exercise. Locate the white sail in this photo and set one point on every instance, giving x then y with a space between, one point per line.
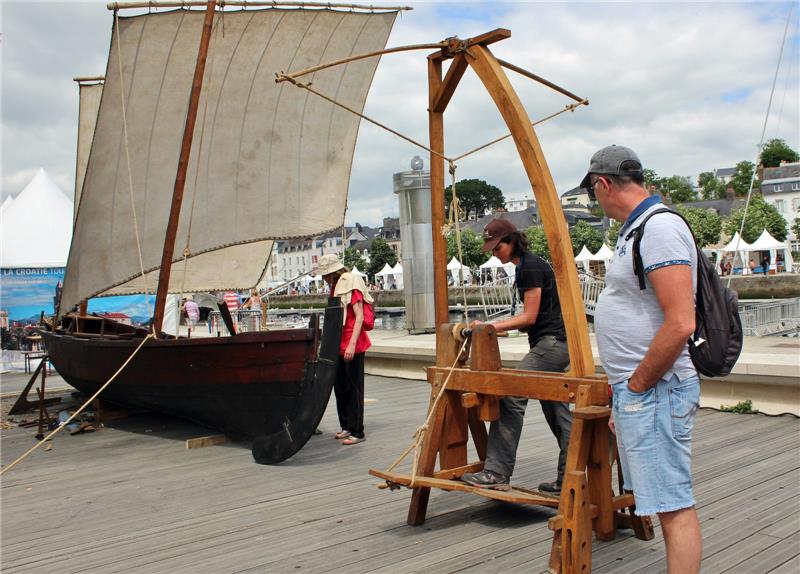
267 162
89 102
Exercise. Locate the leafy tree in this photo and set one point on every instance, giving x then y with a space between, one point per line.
379 254
712 186
775 151
353 258
470 247
706 224
796 227
613 232
760 215
679 188
651 179
584 234
474 196
742 177
537 242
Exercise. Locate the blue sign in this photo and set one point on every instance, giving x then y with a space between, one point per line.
26 292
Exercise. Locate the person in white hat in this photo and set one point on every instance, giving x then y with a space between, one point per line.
349 384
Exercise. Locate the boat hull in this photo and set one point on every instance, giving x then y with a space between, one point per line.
271 387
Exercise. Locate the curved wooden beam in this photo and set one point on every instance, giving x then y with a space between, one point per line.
508 103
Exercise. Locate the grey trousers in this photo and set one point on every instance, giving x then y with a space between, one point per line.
548 354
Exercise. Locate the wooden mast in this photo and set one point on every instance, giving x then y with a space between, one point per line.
183 163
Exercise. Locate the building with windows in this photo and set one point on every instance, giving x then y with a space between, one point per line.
780 187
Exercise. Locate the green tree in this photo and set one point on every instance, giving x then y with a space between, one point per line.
760 216
679 188
613 232
712 186
474 196
470 247
584 234
353 258
537 242
742 177
796 227
706 224
379 254
775 151
651 179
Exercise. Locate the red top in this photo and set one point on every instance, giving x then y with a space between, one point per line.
363 343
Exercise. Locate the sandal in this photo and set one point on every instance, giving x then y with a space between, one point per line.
342 434
354 440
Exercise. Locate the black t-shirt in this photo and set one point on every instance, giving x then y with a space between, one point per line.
532 272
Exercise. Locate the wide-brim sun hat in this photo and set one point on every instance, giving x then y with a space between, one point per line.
328 264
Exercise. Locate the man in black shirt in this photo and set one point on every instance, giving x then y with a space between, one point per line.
541 319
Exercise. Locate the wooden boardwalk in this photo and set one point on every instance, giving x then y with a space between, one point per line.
131 498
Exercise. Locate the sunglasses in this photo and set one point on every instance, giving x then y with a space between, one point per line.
590 189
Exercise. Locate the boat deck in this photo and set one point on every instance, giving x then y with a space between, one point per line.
132 498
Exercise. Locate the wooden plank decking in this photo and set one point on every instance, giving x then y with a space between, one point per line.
131 498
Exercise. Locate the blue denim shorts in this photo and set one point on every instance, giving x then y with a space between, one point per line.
654 436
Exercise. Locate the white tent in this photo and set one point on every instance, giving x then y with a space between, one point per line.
8 201
37 226
738 247
603 254
398 274
454 266
766 242
493 264
357 272
387 276
583 258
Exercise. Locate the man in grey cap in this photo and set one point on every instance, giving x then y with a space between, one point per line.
642 339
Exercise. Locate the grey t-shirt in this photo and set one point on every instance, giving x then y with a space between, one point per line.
627 318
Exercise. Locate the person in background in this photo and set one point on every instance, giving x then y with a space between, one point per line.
349 384
642 339
231 300
192 311
765 264
541 318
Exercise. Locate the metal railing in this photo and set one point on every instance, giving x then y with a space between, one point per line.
496 297
770 318
244 321
590 289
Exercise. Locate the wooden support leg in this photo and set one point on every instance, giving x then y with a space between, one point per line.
642 526
22 404
599 476
453 447
427 459
576 535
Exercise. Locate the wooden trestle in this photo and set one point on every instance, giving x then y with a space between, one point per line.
587 503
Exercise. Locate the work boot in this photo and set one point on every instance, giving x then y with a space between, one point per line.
551 487
487 479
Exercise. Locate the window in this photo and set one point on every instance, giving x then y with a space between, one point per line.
796 204
780 206
778 187
796 186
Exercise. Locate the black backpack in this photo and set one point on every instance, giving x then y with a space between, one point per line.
717 340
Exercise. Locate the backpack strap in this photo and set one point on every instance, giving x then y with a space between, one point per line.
637 232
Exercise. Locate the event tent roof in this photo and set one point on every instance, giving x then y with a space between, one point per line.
584 255
387 270
765 242
736 244
603 254
37 226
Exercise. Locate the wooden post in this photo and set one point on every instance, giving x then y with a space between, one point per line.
183 164
555 226
436 131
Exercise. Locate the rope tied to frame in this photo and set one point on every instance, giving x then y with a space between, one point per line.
419 434
455 221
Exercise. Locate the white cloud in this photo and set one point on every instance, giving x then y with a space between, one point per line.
685 84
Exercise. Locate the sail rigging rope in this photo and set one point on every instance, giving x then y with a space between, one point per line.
455 217
128 161
761 144
419 434
79 411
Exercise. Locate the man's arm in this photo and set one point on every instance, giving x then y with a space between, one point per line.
358 311
673 288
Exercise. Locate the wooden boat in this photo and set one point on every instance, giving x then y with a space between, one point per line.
159 213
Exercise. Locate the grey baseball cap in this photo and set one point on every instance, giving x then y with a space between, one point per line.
613 160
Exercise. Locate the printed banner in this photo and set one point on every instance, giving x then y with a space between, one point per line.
25 292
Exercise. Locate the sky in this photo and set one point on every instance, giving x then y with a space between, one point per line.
685 84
